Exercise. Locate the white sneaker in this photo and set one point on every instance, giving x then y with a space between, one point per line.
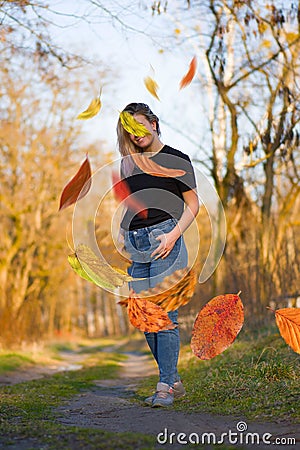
178 391
163 396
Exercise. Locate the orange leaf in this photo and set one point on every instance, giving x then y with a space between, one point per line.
154 169
288 322
146 316
78 187
122 192
182 282
186 80
217 325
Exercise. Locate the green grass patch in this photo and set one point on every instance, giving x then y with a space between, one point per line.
257 378
13 361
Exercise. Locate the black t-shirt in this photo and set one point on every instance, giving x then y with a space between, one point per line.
162 196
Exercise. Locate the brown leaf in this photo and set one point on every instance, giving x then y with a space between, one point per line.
288 322
152 168
146 316
78 187
217 325
188 77
183 283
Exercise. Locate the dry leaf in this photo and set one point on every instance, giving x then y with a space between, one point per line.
183 283
78 187
288 322
101 273
91 111
188 77
152 168
146 316
132 126
123 193
217 325
77 267
151 86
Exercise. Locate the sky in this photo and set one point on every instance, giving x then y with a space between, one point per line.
146 46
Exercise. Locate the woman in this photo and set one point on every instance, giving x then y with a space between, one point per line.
154 241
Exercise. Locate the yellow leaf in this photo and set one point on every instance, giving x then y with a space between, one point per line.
99 270
151 86
131 125
91 111
177 31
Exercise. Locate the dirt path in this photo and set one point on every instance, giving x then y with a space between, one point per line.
112 405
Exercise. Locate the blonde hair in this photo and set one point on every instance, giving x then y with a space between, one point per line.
125 145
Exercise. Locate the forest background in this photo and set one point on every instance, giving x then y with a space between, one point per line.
238 120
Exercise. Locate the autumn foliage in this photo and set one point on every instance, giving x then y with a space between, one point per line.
146 316
288 322
217 325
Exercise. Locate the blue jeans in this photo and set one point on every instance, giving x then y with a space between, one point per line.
140 243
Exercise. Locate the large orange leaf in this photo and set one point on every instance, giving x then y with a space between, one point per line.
152 168
288 322
174 291
78 186
187 79
146 316
217 325
122 192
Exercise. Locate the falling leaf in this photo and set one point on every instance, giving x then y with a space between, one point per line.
217 325
146 316
183 283
187 79
132 126
78 186
91 111
150 167
151 86
77 267
123 193
288 322
97 270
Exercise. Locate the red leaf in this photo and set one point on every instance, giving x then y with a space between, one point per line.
217 325
123 193
78 186
186 80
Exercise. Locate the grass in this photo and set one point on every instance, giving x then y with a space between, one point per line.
13 361
257 378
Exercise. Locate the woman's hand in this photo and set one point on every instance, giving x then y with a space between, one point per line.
167 242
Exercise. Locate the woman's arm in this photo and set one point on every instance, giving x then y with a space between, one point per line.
190 212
